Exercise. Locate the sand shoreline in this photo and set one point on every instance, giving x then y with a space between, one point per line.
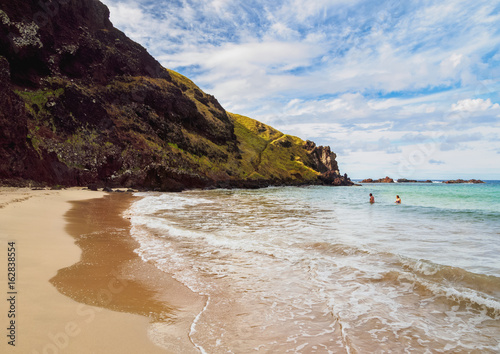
148 306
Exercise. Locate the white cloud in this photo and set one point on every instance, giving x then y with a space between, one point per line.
221 7
474 105
449 65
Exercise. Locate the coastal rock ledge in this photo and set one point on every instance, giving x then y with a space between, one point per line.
404 180
472 181
82 104
380 180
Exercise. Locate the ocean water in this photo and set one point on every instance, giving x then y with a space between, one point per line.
321 270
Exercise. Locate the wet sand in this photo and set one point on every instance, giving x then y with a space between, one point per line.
80 287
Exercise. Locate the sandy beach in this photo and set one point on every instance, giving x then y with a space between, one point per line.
103 299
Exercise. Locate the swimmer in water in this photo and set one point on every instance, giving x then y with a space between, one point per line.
398 200
372 198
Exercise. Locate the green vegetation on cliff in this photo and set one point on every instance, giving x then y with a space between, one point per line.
269 154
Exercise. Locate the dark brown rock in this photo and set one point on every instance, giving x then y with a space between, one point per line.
404 180
335 179
455 181
380 180
323 158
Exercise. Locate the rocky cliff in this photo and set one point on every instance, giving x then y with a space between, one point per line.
81 103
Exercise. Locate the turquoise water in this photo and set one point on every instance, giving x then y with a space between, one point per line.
450 224
320 269
452 197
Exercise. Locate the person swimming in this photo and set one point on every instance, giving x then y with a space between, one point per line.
398 200
372 198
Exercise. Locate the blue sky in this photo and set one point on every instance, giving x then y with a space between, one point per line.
405 89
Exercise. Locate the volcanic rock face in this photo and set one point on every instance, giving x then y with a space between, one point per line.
324 161
323 157
13 122
70 38
81 103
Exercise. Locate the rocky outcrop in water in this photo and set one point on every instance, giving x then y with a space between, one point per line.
380 180
472 181
404 180
83 104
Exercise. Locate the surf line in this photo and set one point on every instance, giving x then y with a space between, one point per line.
193 325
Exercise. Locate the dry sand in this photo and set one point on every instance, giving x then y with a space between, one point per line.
112 303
